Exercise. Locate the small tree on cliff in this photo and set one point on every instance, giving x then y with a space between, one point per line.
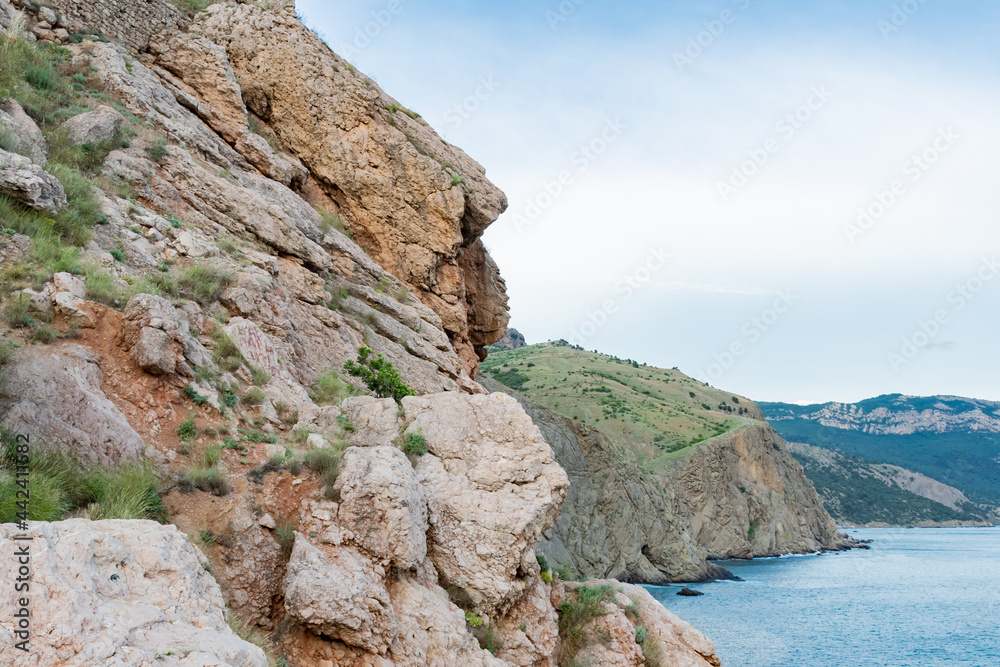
378 375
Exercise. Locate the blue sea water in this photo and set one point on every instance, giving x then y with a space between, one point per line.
920 596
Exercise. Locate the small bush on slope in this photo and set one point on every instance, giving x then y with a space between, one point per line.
378 375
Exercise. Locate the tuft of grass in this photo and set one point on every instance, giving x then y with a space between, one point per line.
330 389
248 632
285 534
333 221
15 312
259 375
652 649
44 334
211 456
203 283
158 150
102 286
209 480
60 484
255 396
226 355
584 604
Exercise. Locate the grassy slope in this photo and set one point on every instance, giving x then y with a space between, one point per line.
659 414
968 461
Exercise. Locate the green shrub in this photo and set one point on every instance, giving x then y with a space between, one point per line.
117 254
203 283
415 444
7 348
543 562
337 296
187 431
378 375
231 443
473 620
209 480
193 394
259 436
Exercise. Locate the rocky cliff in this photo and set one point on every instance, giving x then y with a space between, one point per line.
737 494
204 221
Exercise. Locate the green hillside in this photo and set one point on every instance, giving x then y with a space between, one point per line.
658 413
853 491
968 461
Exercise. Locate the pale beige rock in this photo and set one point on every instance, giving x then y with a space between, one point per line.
150 333
25 181
338 593
376 421
492 487
93 127
119 593
530 630
256 348
22 131
55 396
383 505
432 630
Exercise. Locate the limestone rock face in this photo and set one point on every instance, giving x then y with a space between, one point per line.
56 397
339 594
119 593
25 181
492 487
93 127
432 630
23 131
383 505
416 204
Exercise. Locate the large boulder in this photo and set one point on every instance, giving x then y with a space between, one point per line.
383 505
25 181
338 593
93 127
150 334
54 394
28 140
492 486
118 593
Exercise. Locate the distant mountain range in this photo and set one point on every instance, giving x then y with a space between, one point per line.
951 440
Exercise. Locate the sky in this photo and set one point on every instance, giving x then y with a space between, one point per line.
792 201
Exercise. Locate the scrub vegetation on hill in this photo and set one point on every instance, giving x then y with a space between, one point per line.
657 412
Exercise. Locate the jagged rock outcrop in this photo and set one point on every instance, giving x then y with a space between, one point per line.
492 487
744 495
416 204
25 181
630 607
511 340
22 131
119 593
